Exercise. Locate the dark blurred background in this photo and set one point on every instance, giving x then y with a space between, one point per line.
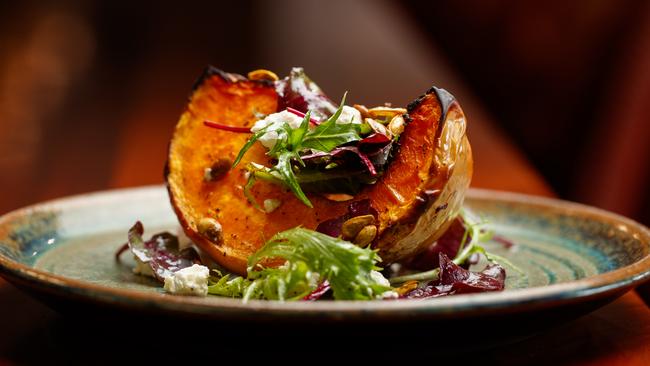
90 91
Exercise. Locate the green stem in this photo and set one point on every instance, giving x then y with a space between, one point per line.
465 252
431 275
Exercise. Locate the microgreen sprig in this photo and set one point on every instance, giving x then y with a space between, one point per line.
291 142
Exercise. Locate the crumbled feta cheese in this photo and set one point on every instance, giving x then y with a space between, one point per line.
271 204
142 268
379 278
349 115
389 295
274 122
189 281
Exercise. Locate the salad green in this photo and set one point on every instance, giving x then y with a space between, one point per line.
291 143
311 258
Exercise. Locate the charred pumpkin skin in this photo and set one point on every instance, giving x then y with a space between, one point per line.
415 199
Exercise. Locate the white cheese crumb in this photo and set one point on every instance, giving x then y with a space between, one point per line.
271 204
349 115
389 295
274 122
189 281
142 268
379 278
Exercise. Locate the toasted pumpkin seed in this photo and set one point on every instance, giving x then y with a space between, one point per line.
210 229
338 197
407 287
377 127
262 74
362 109
365 236
218 170
386 112
353 226
396 125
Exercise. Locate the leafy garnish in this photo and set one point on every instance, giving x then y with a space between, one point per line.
289 178
474 234
311 258
329 134
298 91
454 280
256 136
291 142
162 252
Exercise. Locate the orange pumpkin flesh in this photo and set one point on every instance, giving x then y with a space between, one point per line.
416 198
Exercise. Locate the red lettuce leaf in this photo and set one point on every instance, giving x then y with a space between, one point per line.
161 252
321 290
363 157
375 138
454 280
297 91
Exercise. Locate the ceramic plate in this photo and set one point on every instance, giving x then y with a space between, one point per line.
572 256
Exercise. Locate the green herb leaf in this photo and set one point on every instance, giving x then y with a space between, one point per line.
329 134
248 145
290 142
311 258
297 135
476 232
347 267
289 178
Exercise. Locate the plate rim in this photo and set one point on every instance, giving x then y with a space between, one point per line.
517 300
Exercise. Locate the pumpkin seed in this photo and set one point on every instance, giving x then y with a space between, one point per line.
365 236
379 112
210 229
396 125
262 74
353 226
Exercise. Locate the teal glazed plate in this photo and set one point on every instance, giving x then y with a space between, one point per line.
574 259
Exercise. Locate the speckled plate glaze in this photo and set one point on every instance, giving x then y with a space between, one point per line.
570 255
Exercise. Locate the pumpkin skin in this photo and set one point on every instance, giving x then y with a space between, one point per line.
416 198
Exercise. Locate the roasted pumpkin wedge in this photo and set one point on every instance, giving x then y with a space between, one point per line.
407 209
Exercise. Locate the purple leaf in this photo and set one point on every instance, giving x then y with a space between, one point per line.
492 278
360 208
321 290
297 91
332 227
353 149
379 157
161 252
454 280
339 152
375 138
507 243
